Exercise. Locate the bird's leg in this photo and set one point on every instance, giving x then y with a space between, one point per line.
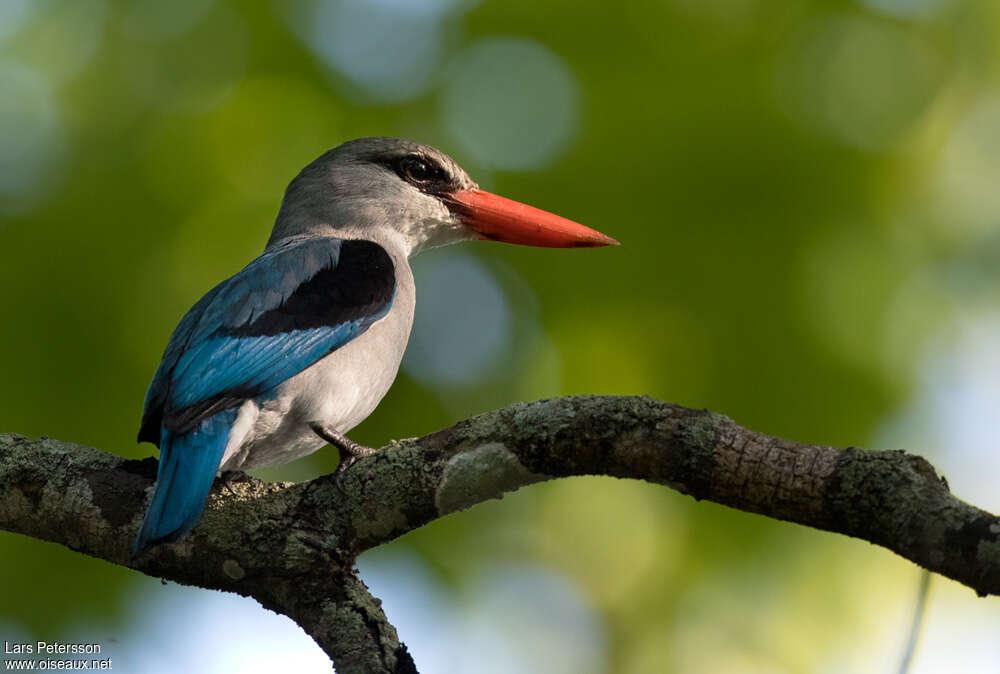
350 451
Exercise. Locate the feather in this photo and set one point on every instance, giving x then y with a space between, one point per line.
188 463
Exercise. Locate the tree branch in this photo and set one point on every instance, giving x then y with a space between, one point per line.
293 547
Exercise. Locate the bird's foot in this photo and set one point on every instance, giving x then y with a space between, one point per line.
230 477
350 451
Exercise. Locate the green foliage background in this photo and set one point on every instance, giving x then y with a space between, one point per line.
804 194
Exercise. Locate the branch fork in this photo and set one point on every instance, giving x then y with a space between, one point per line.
293 546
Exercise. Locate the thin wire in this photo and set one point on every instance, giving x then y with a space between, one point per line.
918 620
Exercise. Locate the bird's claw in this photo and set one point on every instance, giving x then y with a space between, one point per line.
350 451
349 455
231 477
346 461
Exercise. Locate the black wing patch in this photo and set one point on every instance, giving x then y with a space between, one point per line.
221 365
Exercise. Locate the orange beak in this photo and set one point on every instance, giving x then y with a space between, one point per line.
498 219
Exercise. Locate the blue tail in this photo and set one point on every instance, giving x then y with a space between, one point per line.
188 464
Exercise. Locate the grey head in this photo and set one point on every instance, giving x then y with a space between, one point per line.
382 189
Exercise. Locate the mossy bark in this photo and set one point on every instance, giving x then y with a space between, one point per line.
293 546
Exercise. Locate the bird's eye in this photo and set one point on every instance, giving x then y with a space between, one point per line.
419 170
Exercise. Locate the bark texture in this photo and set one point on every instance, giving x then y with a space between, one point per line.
293 546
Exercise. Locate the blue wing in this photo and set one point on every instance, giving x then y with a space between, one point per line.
284 311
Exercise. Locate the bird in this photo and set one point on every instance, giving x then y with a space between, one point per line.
300 346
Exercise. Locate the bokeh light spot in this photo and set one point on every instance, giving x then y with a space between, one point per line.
907 9
861 81
519 617
13 15
511 102
462 326
64 40
29 136
504 618
388 49
970 173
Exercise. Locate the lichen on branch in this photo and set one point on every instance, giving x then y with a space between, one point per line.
293 546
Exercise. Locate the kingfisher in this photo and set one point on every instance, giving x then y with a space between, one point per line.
300 346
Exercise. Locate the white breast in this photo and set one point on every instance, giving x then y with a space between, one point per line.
340 390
